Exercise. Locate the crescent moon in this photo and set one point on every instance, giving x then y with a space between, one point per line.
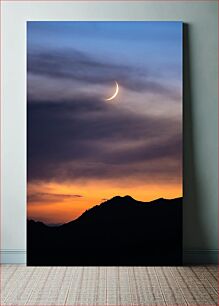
115 94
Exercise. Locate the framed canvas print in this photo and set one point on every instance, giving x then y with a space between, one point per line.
104 143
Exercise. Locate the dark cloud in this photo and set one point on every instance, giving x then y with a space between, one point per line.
49 197
87 139
75 65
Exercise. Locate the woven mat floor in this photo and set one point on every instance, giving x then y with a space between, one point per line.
113 286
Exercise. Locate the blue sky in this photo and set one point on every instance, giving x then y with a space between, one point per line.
157 46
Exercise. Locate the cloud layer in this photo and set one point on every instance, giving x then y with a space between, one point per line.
92 139
36 197
78 66
84 138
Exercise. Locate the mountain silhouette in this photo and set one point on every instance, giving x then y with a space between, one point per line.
120 231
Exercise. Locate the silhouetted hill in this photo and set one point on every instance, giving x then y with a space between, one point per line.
120 231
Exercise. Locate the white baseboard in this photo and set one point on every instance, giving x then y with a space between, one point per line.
12 256
194 257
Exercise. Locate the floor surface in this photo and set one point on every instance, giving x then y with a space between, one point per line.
113 286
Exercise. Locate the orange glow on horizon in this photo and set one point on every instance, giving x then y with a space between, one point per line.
67 208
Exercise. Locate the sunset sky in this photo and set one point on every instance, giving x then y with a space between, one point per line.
83 149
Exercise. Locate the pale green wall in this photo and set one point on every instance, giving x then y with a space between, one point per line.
200 111
201 132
